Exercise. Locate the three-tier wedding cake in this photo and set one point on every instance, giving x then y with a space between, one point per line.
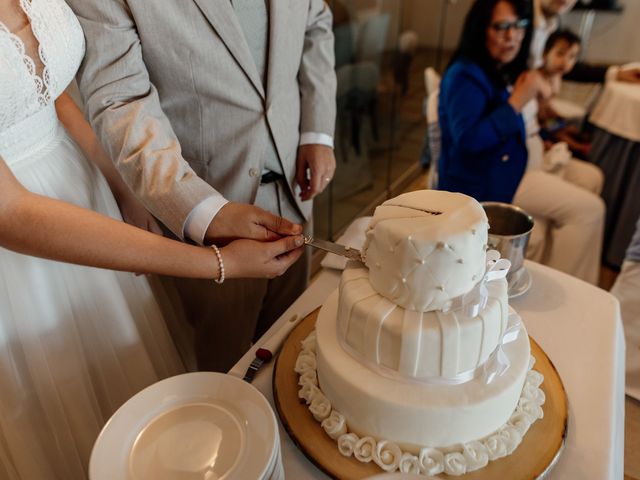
416 362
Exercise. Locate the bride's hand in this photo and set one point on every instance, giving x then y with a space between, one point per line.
253 259
134 213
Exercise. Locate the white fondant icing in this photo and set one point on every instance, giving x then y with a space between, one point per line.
347 444
387 456
455 464
307 392
455 460
364 448
417 365
309 376
413 244
409 463
431 461
476 455
409 413
418 344
335 425
320 407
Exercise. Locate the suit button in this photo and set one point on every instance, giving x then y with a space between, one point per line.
253 172
505 158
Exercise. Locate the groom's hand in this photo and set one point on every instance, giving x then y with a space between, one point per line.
241 220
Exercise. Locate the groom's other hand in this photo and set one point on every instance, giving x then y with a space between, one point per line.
316 165
241 220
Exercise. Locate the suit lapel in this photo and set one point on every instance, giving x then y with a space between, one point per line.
223 19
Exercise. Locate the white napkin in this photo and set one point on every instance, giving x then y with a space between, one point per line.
557 157
353 237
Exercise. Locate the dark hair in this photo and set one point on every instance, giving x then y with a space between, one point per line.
559 35
473 41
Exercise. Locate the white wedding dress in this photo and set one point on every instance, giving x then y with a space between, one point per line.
75 342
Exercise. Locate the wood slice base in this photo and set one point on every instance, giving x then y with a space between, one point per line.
533 458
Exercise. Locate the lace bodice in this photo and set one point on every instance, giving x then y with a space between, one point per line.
26 95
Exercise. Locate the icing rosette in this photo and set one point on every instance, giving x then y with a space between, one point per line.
511 436
496 446
309 343
431 461
364 448
455 464
533 393
347 444
409 463
335 425
530 408
306 362
308 377
520 421
308 392
476 455
387 455
320 406
534 378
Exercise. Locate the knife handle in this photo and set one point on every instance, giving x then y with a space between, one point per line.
274 343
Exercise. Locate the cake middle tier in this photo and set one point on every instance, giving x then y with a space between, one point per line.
412 414
414 344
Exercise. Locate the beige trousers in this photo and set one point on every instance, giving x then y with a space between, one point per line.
627 291
225 319
569 218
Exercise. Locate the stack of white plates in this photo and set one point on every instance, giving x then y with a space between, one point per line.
196 426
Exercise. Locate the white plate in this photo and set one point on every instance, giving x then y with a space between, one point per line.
194 426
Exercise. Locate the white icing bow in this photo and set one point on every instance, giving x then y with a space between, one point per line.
472 302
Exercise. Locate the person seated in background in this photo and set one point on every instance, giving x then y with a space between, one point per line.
484 143
547 21
627 290
560 56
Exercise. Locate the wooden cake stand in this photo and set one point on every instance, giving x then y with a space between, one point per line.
533 459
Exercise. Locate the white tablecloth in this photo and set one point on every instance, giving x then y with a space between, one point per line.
618 109
579 328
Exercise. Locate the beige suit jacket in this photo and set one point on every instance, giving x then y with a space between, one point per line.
174 94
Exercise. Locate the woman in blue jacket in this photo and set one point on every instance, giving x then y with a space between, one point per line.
484 151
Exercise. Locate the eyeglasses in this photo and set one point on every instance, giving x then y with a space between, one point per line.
503 27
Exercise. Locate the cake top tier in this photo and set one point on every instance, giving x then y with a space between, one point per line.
425 248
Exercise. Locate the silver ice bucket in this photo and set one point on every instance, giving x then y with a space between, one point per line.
509 231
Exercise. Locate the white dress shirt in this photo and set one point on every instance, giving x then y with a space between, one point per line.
197 222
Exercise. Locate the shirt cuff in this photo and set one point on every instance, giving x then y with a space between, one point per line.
612 73
198 220
308 138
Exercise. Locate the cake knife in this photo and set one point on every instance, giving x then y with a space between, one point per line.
266 352
338 249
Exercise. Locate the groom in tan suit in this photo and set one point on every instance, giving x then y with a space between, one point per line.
211 109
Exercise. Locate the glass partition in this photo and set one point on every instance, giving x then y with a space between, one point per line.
382 48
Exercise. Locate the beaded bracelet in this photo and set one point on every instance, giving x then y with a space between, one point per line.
220 278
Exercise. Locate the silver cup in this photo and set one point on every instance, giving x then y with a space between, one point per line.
509 231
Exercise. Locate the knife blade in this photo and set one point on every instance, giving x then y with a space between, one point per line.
332 247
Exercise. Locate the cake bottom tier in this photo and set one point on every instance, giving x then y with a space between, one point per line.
411 414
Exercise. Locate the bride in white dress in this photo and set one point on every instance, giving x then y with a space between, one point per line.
75 342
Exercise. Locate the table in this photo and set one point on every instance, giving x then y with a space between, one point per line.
579 328
616 150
